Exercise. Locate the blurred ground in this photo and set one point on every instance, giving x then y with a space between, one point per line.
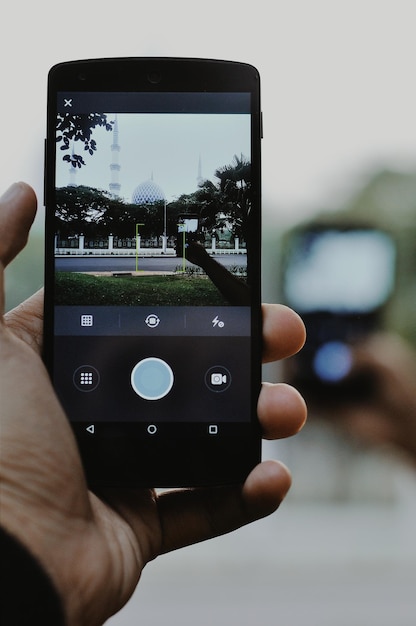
315 563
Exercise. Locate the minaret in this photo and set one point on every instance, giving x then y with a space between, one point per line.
115 166
199 177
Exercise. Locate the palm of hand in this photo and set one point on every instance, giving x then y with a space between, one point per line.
91 539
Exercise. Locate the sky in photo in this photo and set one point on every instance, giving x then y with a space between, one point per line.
167 147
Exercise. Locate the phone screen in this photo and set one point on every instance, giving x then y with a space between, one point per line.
154 253
338 278
340 270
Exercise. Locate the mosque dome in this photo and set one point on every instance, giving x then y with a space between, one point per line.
148 192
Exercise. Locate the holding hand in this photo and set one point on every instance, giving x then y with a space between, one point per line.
387 416
94 548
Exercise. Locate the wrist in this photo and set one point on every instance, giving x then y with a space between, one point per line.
29 596
51 541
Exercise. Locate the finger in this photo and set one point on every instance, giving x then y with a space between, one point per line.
17 212
368 424
191 516
282 411
370 357
283 332
26 321
1 292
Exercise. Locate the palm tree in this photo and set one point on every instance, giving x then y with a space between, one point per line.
238 173
235 185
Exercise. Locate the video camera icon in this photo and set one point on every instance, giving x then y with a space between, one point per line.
218 378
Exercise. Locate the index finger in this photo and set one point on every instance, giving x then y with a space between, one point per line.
284 332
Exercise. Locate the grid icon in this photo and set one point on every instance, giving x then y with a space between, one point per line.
86 378
87 320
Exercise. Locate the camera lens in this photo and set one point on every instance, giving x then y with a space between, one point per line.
82 77
154 78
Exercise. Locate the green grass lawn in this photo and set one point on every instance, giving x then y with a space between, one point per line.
179 290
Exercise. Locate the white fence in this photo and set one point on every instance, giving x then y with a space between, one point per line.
79 246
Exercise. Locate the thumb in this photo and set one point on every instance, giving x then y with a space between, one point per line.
17 212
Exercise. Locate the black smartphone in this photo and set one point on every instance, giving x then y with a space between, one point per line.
339 277
152 282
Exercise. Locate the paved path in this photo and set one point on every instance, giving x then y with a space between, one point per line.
128 264
307 565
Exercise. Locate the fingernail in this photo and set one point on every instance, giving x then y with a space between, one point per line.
12 192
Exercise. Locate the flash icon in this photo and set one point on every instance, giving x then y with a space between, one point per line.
217 322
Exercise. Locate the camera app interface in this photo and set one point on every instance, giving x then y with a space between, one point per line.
151 246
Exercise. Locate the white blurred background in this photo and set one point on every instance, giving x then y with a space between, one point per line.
339 102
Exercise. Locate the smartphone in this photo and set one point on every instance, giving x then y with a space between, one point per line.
152 281
339 278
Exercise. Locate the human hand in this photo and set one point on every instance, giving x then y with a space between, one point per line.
386 415
94 548
196 253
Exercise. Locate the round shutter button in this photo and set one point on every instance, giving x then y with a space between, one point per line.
152 378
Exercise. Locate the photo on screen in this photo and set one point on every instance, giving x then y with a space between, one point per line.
152 209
